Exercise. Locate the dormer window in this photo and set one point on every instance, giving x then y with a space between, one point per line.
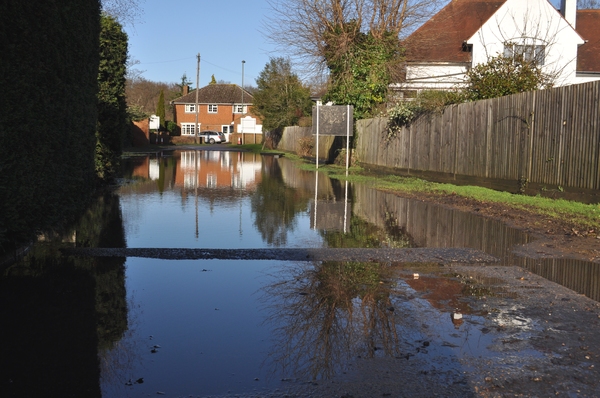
467 48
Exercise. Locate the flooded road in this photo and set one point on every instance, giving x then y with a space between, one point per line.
134 326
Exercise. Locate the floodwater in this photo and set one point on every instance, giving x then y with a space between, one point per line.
132 327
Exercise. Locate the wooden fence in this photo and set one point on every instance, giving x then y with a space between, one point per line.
293 136
549 137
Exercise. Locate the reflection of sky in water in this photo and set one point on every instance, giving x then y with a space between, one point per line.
204 317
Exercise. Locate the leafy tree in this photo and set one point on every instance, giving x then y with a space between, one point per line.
213 80
280 99
357 42
504 76
160 108
360 75
112 108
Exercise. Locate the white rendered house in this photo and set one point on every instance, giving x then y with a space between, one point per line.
465 33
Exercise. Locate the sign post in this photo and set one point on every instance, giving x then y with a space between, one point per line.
334 120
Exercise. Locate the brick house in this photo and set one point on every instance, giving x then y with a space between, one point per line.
221 107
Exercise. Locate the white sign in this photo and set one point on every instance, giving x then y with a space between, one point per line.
154 122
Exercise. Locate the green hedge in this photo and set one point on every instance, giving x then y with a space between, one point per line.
48 103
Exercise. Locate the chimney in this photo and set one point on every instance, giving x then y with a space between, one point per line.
568 9
186 89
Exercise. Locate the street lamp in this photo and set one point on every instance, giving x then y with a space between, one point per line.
243 62
242 117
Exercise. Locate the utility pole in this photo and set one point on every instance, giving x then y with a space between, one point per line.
196 128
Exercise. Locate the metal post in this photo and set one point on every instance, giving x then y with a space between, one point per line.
347 137
317 154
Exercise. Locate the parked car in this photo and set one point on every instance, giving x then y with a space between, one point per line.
213 137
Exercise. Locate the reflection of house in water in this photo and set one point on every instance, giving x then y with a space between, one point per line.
141 167
147 168
218 170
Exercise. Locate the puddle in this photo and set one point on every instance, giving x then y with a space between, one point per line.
142 326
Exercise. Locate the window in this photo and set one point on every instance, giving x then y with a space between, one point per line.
529 53
190 108
187 129
212 108
239 108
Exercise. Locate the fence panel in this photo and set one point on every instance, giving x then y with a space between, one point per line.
549 137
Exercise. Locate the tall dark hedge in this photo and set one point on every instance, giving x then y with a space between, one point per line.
112 107
48 98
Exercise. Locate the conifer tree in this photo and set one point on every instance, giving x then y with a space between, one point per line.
160 108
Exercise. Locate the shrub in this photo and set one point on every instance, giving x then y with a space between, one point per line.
403 113
173 129
305 146
502 76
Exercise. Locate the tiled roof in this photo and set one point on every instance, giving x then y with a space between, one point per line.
588 27
217 94
441 38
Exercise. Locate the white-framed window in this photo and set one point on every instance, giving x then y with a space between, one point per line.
190 108
212 108
529 53
187 129
239 108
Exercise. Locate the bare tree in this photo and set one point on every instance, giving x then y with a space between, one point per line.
144 94
127 12
588 4
302 29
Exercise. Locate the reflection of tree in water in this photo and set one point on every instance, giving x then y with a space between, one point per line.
275 205
328 313
102 226
364 234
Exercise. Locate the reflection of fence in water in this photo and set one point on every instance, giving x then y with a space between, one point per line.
435 226
580 276
305 180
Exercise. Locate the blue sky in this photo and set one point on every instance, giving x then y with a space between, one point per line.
167 36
